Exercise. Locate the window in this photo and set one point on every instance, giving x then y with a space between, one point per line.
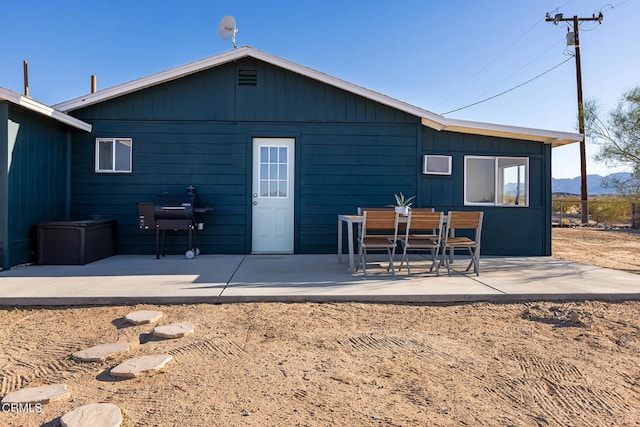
114 155
496 181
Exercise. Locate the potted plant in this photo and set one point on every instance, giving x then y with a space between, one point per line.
403 204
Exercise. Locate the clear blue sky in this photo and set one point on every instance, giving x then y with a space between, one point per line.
439 55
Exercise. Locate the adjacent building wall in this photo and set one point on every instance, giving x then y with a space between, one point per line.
35 180
4 185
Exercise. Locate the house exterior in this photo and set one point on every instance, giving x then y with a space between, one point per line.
278 150
35 146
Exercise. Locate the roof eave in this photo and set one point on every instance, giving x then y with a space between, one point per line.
152 80
429 119
44 110
554 138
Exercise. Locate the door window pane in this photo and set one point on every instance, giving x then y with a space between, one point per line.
274 179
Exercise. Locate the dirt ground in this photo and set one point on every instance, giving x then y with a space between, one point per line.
530 364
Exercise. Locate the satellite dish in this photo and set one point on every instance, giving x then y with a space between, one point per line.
227 29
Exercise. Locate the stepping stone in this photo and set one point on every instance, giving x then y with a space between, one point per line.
44 394
93 415
136 366
100 353
143 317
175 330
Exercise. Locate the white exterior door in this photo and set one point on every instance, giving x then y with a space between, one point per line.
272 195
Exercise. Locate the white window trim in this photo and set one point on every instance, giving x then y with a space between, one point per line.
113 151
496 182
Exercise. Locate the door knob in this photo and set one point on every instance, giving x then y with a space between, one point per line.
255 194
255 202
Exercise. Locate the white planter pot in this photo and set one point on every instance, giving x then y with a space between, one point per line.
404 210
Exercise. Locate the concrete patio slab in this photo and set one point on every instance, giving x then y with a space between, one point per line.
321 278
550 278
131 279
121 279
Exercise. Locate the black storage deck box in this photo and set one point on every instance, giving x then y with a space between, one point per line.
76 242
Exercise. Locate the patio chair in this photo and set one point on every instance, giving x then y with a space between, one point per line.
401 223
379 232
424 232
463 221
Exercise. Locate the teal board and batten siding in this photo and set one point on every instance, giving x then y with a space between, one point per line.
350 152
198 131
36 158
507 230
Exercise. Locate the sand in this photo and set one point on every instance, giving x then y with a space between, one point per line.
307 364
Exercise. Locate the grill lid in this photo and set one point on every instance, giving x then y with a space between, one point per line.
169 206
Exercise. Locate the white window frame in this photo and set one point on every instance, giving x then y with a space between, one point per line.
113 153
497 183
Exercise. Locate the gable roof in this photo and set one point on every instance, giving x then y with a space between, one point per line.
30 104
429 119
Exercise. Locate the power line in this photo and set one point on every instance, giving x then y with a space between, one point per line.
509 90
502 53
524 66
492 61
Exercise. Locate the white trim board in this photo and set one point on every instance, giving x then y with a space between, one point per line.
42 109
429 119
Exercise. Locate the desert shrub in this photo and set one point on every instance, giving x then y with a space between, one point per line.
610 210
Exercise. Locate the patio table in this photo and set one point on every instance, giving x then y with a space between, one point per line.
350 220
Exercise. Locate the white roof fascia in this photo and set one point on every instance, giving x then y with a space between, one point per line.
555 138
429 119
152 80
42 109
233 55
349 87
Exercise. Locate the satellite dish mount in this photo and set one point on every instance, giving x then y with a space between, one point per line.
227 30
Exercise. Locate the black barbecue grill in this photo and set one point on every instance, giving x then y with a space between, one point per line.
173 212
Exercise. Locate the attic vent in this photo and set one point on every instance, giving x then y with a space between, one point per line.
436 165
247 77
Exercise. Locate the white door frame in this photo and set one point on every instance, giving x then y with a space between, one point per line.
272 195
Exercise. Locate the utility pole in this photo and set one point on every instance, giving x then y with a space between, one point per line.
583 151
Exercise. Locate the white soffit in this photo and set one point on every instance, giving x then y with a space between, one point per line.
555 138
42 109
429 119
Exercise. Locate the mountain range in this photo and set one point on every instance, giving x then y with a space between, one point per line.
594 184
